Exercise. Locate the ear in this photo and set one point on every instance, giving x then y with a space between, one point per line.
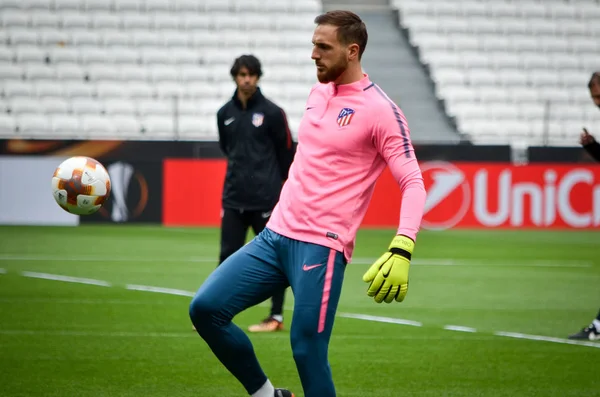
353 50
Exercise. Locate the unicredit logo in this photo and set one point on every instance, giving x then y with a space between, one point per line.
448 195
494 195
572 198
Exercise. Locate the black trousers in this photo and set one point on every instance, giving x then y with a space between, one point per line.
234 229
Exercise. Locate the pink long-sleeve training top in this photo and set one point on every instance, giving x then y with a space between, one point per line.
347 136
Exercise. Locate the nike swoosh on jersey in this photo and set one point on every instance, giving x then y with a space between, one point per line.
229 121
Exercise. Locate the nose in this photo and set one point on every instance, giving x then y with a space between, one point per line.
315 55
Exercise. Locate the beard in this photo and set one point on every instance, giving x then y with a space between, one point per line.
332 73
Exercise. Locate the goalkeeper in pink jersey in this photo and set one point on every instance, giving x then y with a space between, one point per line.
349 133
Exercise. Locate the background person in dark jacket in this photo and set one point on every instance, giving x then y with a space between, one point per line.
587 141
255 137
592 331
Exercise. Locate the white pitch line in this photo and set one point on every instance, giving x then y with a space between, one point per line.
160 290
379 319
459 328
574 264
357 261
104 302
179 292
547 339
68 279
33 258
483 263
116 334
430 262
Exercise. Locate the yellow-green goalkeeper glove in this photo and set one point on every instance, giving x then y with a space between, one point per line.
389 274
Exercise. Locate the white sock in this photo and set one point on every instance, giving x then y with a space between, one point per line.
596 324
267 390
278 317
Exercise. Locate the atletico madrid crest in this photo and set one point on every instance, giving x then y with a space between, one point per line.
345 117
257 119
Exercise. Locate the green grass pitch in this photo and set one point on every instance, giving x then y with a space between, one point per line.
64 339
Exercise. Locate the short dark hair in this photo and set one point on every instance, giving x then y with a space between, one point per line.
249 62
351 29
594 80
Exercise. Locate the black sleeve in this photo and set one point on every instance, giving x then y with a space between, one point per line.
282 139
222 135
594 150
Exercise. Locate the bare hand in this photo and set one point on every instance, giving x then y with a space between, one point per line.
585 138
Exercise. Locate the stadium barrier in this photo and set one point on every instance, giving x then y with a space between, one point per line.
180 183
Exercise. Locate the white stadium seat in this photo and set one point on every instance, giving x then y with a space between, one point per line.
111 89
41 5
103 72
69 71
8 125
27 53
139 89
22 36
165 21
112 38
78 89
185 56
82 106
185 6
126 55
157 6
119 106
169 89
159 73
13 18
93 54
98 5
37 71
53 37
76 20
154 107
68 4
33 124
49 88
66 125
105 20
155 55
128 5
98 126
159 127
133 73
175 39
6 55
14 88
20 105
64 54
191 126
54 105
128 126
